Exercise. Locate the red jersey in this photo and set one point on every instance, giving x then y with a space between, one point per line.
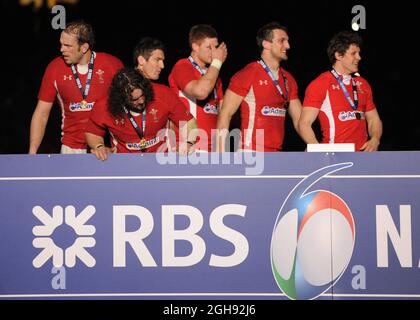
262 106
337 118
204 111
164 106
58 81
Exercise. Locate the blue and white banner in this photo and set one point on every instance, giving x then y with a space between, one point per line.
302 226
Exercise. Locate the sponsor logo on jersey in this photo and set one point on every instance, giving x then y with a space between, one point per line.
263 82
350 115
211 109
273 112
77 106
136 145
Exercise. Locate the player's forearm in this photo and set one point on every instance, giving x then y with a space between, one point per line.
188 131
375 129
223 123
93 140
37 131
306 133
205 85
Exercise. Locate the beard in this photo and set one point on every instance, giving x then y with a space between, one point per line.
137 109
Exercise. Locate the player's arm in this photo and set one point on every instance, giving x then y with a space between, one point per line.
188 134
38 124
231 103
201 88
374 125
97 146
295 110
307 117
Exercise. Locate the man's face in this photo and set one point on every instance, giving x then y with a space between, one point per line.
137 98
349 61
280 44
70 48
152 67
204 49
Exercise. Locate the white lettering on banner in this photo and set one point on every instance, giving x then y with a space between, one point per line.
401 241
170 235
135 238
238 240
122 238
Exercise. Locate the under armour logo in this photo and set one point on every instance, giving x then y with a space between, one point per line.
68 77
336 87
263 82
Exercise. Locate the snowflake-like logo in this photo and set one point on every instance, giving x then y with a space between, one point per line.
50 249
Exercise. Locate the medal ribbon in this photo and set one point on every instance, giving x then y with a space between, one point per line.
140 131
354 104
84 91
276 83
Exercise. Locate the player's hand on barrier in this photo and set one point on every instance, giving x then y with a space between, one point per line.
101 152
370 145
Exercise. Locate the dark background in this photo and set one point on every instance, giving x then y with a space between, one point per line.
389 60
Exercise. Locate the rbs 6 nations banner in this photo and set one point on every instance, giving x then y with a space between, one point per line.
211 226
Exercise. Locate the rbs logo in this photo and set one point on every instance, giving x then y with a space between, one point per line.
311 229
123 238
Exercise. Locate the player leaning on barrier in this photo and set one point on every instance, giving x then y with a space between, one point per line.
136 113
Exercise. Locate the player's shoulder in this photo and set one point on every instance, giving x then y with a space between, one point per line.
108 57
323 80
324 77
252 66
57 62
161 88
251 70
57 66
183 62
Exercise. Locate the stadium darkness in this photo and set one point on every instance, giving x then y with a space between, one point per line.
29 43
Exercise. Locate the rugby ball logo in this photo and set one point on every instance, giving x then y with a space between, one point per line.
311 228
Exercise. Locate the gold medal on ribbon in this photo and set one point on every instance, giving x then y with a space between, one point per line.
83 104
143 144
